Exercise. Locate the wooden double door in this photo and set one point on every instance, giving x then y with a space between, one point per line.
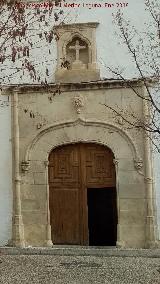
82 194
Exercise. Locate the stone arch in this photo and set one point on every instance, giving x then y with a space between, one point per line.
125 151
93 127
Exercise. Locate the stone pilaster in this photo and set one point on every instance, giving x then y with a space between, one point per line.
18 228
48 226
150 214
119 242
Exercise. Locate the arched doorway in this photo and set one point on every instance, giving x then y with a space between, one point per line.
82 189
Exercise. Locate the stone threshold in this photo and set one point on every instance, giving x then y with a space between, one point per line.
81 251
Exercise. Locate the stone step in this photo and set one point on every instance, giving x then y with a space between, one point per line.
81 251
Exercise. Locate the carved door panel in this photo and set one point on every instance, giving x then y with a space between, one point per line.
100 169
64 180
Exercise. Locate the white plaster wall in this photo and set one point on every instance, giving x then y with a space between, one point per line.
157 187
5 172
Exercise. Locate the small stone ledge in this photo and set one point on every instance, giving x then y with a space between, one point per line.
82 251
77 25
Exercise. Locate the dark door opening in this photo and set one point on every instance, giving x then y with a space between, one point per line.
102 216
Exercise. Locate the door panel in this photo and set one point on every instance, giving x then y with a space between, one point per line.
65 216
99 166
64 180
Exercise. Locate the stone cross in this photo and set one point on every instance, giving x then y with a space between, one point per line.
77 48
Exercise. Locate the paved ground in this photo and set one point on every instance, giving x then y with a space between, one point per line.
41 269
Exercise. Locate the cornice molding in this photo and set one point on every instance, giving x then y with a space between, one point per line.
76 25
69 87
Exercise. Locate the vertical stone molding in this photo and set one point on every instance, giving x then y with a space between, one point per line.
48 226
119 242
18 228
150 218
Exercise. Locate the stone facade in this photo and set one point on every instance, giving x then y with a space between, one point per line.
70 113
80 107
